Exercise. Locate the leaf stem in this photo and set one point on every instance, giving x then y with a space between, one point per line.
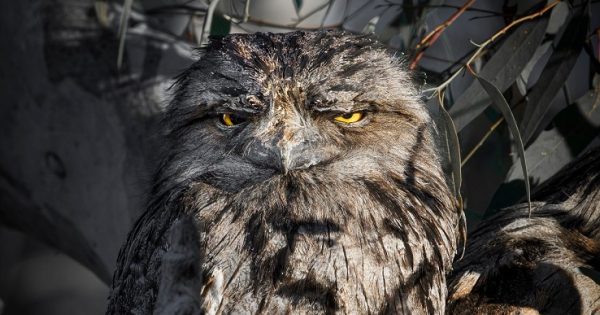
494 37
208 20
481 141
433 36
123 31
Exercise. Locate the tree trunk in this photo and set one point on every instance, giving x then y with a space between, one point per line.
77 136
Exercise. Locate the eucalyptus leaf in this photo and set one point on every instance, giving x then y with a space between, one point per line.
527 73
575 127
556 72
501 70
502 105
298 6
575 130
453 147
453 150
220 26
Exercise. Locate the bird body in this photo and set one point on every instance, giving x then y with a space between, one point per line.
300 175
543 263
307 164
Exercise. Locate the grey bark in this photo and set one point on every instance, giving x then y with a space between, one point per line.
77 136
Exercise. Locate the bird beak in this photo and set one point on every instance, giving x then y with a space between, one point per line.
282 155
297 155
285 154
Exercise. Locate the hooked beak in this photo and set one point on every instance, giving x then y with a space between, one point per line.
283 155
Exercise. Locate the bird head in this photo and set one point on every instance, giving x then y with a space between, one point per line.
309 162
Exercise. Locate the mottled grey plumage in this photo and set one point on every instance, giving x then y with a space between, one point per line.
546 264
290 211
294 211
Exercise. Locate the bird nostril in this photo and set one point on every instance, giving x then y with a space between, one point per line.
284 157
287 149
265 155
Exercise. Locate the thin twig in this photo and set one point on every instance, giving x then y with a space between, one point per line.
433 36
123 31
494 126
246 11
409 6
483 45
257 22
480 143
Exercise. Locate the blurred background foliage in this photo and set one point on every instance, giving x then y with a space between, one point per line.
541 65
84 82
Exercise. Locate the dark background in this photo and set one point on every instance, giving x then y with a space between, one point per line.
81 97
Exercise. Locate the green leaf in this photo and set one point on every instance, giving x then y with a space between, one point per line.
298 6
575 127
556 72
500 103
502 70
453 147
220 26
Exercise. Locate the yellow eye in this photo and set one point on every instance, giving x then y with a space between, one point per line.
226 120
232 119
350 117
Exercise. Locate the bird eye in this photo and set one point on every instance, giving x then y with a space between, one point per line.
350 118
231 119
